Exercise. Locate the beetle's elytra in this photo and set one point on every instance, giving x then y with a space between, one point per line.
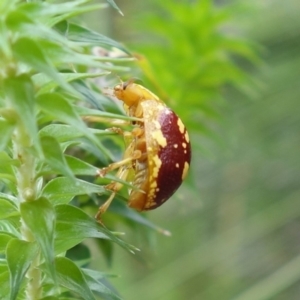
158 153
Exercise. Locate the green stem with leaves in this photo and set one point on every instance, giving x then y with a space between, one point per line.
26 187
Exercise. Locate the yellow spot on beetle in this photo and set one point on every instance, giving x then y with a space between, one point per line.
157 163
175 146
187 138
184 145
180 126
159 138
153 184
177 165
157 124
185 170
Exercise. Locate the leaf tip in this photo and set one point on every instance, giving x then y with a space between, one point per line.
164 232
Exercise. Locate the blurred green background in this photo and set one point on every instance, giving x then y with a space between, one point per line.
235 223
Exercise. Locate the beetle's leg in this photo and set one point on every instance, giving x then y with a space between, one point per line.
96 119
104 206
135 132
130 153
114 187
122 174
133 152
117 130
135 155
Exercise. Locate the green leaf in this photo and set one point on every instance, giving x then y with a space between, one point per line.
73 226
46 84
61 132
107 250
4 39
6 5
80 167
74 12
13 200
19 255
89 95
73 223
36 59
20 93
60 298
4 239
84 111
114 5
6 129
46 9
120 208
97 286
40 10
97 274
57 106
64 54
6 166
3 266
62 190
56 48
81 34
76 165
7 209
55 158
42 16
39 216
5 288
9 226
65 133
18 21
71 277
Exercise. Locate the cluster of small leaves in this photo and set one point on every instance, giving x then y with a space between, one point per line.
194 49
44 63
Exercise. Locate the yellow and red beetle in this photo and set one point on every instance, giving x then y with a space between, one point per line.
158 153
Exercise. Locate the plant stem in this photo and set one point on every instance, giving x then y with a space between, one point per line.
26 186
34 288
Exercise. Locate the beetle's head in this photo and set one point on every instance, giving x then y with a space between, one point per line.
132 93
128 92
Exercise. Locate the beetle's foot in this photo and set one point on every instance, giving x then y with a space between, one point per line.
102 209
116 130
98 216
111 187
137 132
102 172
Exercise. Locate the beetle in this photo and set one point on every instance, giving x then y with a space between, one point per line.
158 151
